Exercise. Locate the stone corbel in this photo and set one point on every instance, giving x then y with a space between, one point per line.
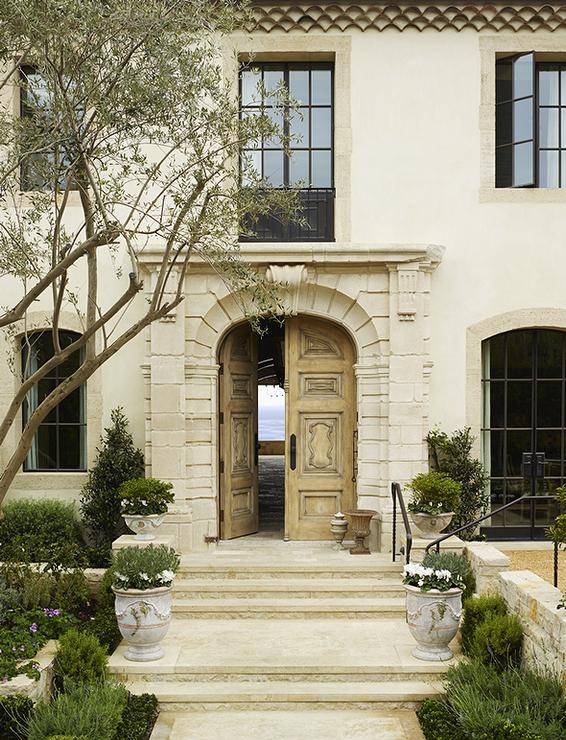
407 286
290 277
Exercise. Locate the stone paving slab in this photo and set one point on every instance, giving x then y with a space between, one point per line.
290 725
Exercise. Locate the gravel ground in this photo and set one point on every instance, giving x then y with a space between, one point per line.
540 562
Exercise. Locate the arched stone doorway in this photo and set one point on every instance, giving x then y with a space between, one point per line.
314 360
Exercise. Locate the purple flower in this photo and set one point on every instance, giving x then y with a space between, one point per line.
56 612
5 679
33 627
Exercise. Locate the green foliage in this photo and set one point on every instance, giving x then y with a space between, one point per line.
490 703
80 658
44 530
103 624
416 574
57 589
499 640
118 461
452 454
476 611
138 717
89 710
146 496
144 567
434 493
557 531
457 565
14 713
438 721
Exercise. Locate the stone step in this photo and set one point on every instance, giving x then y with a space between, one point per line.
289 724
290 608
298 588
375 570
220 695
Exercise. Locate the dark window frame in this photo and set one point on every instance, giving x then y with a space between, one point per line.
503 527
318 201
56 376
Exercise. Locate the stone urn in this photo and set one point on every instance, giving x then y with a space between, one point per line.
430 526
144 525
143 619
338 528
433 618
361 519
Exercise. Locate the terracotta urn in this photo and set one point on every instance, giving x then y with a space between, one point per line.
433 618
361 519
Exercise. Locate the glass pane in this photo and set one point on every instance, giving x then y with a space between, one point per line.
249 126
548 169
71 408
493 404
496 453
563 86
550 442
519 354
496 350
275 116
47 447
523 120
563 169
549 403
549 354
299 85
548 87
321 87
272 80
496 496
518 515
519 397
548 127
321 127
515 488
273 168
250 90
299 168
517 443
70 443
70 365
42 390
503 124
321 176
251 167
299 127
545 512
504 79
523 164
504 167
523 76
563 125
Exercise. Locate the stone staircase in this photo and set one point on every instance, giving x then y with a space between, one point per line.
303 628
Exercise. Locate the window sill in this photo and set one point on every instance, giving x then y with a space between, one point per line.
45 481
522 195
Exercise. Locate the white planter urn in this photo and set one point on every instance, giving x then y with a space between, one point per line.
430 526
143 619
433 618
144 525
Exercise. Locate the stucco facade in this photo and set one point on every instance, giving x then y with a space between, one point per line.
429 259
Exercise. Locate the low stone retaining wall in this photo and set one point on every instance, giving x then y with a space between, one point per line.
531 598
39 690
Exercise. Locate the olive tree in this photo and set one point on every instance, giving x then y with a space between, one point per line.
127 140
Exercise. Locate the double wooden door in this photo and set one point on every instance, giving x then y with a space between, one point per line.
320 449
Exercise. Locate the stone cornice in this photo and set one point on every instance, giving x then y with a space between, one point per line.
378 16
324 254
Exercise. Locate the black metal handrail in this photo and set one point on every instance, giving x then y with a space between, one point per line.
397 495
527 497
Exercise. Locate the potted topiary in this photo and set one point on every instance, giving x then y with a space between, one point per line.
142 579
434 609
144 505
435 498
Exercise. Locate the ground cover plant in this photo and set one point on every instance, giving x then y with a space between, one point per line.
476 611
14 714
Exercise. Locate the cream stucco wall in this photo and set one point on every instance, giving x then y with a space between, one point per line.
414 157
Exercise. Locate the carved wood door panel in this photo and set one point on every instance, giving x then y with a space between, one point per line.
238 434
320 426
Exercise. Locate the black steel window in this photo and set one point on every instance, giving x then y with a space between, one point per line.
308 164
524 411
60 442
530 122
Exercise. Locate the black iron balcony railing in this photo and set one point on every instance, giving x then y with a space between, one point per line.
316 221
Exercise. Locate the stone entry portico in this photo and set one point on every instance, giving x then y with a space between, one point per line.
379 293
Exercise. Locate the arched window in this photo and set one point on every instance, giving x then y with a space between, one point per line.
524 412
60 442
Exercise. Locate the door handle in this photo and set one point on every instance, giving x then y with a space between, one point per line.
293 452
256 450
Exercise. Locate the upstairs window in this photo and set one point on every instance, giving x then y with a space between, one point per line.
308 165
530 122
60 442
